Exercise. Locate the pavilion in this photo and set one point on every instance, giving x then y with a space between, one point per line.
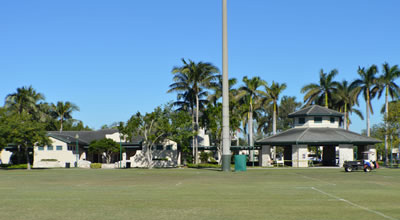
316 126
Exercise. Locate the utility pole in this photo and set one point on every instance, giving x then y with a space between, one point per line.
226 141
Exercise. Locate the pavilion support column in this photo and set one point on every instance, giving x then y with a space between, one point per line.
299 156
345 153
264 156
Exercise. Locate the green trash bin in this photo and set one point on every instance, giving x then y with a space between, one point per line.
240 163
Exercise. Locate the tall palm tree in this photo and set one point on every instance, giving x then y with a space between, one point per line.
272 96
194 78
387 84
63 111
368 85
249 95
345 99
24 100
322 92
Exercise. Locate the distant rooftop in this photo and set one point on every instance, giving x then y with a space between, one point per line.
315 110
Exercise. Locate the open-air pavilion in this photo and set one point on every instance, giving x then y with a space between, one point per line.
320 127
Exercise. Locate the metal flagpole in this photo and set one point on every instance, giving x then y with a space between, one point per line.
226 141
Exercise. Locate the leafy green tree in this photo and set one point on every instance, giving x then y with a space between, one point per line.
154 127
107 146
190 81
287 105
367 84
322 92
181 132
62 111
24 132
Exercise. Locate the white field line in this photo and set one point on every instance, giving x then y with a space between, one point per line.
311 178
353 204
178 184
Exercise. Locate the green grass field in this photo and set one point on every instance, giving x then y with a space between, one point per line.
59 194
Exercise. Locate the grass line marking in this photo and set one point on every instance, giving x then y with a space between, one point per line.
353 204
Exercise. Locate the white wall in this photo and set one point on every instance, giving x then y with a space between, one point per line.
62 156
299 156
326 123
5 156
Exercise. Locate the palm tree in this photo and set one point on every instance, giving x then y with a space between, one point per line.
367 84
24 100
345 98
272 96
322 92
193 78
387 84
249 95
63 110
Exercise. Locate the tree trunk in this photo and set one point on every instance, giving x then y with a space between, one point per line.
274 129
61 125
28 162
251 133
237 138
326 99
345 116
386 125
148 156
197 129
368 131
193 138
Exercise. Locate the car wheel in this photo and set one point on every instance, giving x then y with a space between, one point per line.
367 169
348 169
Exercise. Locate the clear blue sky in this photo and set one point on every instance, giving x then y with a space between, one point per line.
114 58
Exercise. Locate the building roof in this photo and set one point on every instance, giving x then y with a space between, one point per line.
317 136
315 110
86 137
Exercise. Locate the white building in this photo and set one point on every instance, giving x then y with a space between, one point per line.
63 151
316 126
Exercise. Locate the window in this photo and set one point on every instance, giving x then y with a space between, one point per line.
302 121
50 147
332 120
59 147
160 147
40 148
169 147
70 147
317 119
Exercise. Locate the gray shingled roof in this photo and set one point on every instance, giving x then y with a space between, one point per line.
315 110
317 136
85 137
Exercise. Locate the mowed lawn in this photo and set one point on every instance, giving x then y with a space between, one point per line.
313 193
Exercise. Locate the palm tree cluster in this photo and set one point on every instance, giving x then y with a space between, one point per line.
55 116
343 96
199 87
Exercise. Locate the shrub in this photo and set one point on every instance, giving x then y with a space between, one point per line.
95 165
203 165
53 160
17 166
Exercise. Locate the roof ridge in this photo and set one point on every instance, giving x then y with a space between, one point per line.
302 134
312 107
337 132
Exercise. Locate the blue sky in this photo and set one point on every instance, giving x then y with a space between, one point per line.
114 58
